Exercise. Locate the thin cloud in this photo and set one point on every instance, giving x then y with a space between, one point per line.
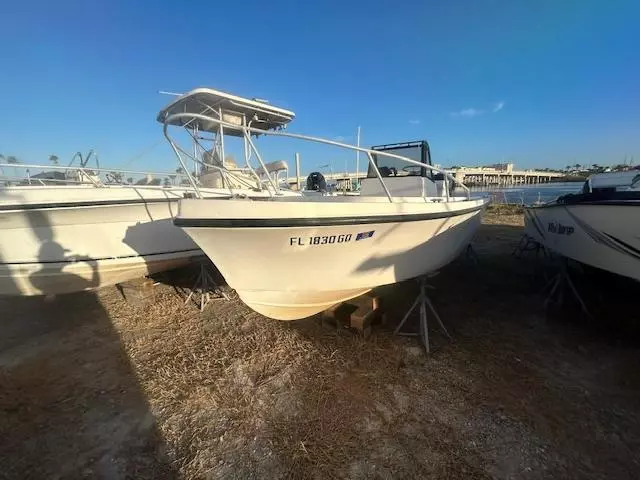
497 107
340 138
474 112
467 113
414 122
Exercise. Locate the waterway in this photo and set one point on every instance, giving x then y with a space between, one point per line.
529 194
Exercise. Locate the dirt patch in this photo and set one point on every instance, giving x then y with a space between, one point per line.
91 386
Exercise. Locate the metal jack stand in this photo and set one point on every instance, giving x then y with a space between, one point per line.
423 301
558 284
205 286
471 255
528 244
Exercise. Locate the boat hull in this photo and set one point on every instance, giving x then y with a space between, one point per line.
286 269
66 239
604 235
67 277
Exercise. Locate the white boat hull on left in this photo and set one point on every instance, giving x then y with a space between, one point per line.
66 277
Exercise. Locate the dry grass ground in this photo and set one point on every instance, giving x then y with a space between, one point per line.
93 387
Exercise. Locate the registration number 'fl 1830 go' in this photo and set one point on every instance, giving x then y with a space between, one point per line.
329 239
320 240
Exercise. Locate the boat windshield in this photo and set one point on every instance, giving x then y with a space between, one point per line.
394 167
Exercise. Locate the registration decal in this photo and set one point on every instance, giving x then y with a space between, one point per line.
364 235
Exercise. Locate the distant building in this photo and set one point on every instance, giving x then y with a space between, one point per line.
493 168
501 167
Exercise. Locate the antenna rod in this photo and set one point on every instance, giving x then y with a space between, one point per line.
358 158
162 92
298 170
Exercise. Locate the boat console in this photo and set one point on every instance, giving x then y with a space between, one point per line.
400 178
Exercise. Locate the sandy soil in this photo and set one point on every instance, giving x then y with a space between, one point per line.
91 386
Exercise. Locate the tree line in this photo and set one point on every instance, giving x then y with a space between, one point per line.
54 159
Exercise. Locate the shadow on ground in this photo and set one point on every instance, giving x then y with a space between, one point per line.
70 402
236 395
518 394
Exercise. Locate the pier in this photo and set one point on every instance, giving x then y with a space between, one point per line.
501 175
490 175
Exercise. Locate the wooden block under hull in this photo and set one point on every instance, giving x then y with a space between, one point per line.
359 313
137 291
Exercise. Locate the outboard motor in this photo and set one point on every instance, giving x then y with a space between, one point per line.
316 182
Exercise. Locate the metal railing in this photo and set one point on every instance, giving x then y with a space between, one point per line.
248 130
87 175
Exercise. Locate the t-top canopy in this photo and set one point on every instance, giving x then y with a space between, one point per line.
234 110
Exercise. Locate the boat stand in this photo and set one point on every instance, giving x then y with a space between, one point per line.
558 284
206 287
528 244
423 301
471 255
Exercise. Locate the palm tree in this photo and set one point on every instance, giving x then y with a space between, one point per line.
54 159
181 171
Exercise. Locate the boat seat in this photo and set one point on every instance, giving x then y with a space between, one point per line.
277 166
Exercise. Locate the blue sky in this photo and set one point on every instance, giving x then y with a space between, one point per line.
541 83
